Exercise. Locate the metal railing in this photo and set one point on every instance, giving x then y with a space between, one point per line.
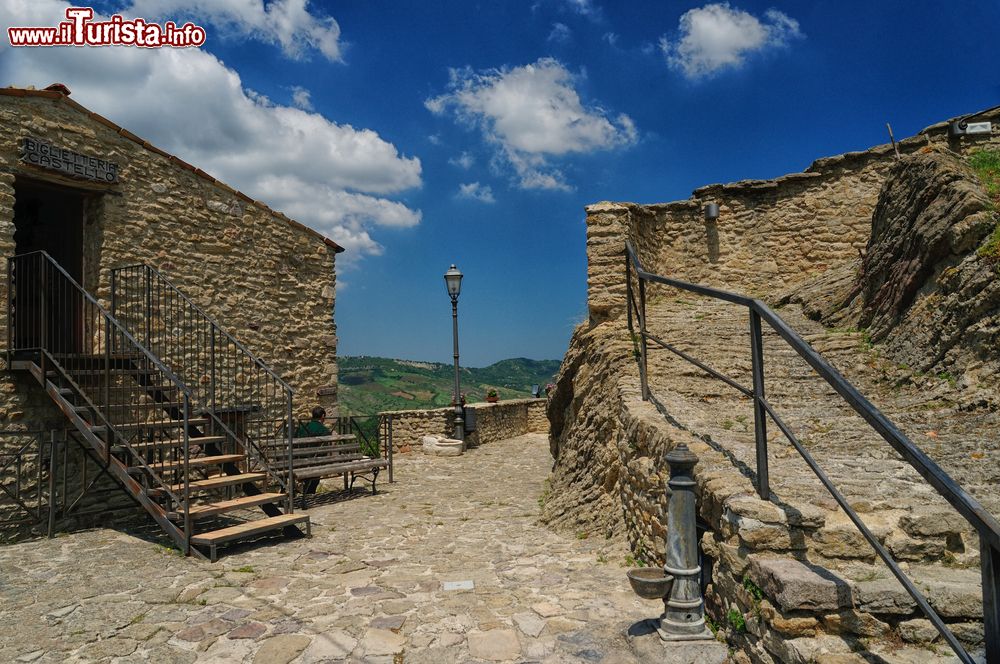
374 432
29 471
47 476
971 510
107 384
243 398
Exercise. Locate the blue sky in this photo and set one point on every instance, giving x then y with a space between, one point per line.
424 134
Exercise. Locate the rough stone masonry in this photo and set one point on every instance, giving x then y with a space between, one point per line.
267 279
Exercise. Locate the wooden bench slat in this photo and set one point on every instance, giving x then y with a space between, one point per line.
323 461
340 468
310 440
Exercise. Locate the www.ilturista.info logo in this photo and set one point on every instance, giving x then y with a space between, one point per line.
81 30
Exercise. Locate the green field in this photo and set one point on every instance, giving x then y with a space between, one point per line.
372 384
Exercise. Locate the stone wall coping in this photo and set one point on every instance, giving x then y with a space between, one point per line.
818 169
62 97
477 404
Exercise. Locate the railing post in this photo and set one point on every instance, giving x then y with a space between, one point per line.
288 441
211 362
107 381
759 413
50 531
43 332
628 292
187 477
10 310
114 293
149 304
389 430
643 376
989 558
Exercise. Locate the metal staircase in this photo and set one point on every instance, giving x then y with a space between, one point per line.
183 416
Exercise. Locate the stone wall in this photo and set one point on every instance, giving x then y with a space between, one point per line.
268 280
494 421
410 426
771 235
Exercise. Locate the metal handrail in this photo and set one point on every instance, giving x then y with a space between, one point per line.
210 334
103 411
111 319
971 510
233 340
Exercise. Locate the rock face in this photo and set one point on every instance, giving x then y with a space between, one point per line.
930 213
925 287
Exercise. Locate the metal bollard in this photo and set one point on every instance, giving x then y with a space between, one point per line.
684 615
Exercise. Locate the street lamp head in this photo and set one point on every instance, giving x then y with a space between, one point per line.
453 280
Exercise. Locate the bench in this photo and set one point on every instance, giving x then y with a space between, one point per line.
320 457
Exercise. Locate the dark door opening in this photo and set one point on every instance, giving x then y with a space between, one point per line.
48 218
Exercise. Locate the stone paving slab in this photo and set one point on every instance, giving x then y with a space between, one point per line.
448 564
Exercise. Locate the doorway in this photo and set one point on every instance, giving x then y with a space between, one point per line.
47 310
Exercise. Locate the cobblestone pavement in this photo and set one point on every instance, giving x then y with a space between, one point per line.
446 565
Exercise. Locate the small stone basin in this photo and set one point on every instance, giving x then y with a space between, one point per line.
650 582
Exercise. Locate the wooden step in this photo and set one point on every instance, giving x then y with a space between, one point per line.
162 424
152 445
137 387
220 482
98 356
221 507
247 529
116 371
149 405
199 462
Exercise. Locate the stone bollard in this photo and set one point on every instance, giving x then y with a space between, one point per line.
684 616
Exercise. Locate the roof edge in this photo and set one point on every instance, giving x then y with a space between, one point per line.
59 96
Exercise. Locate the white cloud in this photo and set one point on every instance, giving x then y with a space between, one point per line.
302 98
611 38
288 23
464 161
476 192
331 177
560 33
532 114
584 8
718 36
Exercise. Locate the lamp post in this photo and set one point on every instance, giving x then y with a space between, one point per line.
453 280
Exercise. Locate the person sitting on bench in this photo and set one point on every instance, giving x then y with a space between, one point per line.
313 428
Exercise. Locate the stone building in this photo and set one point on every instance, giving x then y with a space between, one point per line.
207 262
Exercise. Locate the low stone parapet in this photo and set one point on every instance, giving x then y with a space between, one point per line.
494 421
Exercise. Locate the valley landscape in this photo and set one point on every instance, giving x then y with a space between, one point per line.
369 385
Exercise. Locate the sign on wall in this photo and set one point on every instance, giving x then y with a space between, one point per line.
39 153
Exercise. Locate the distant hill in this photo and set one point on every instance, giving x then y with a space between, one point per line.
372 384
